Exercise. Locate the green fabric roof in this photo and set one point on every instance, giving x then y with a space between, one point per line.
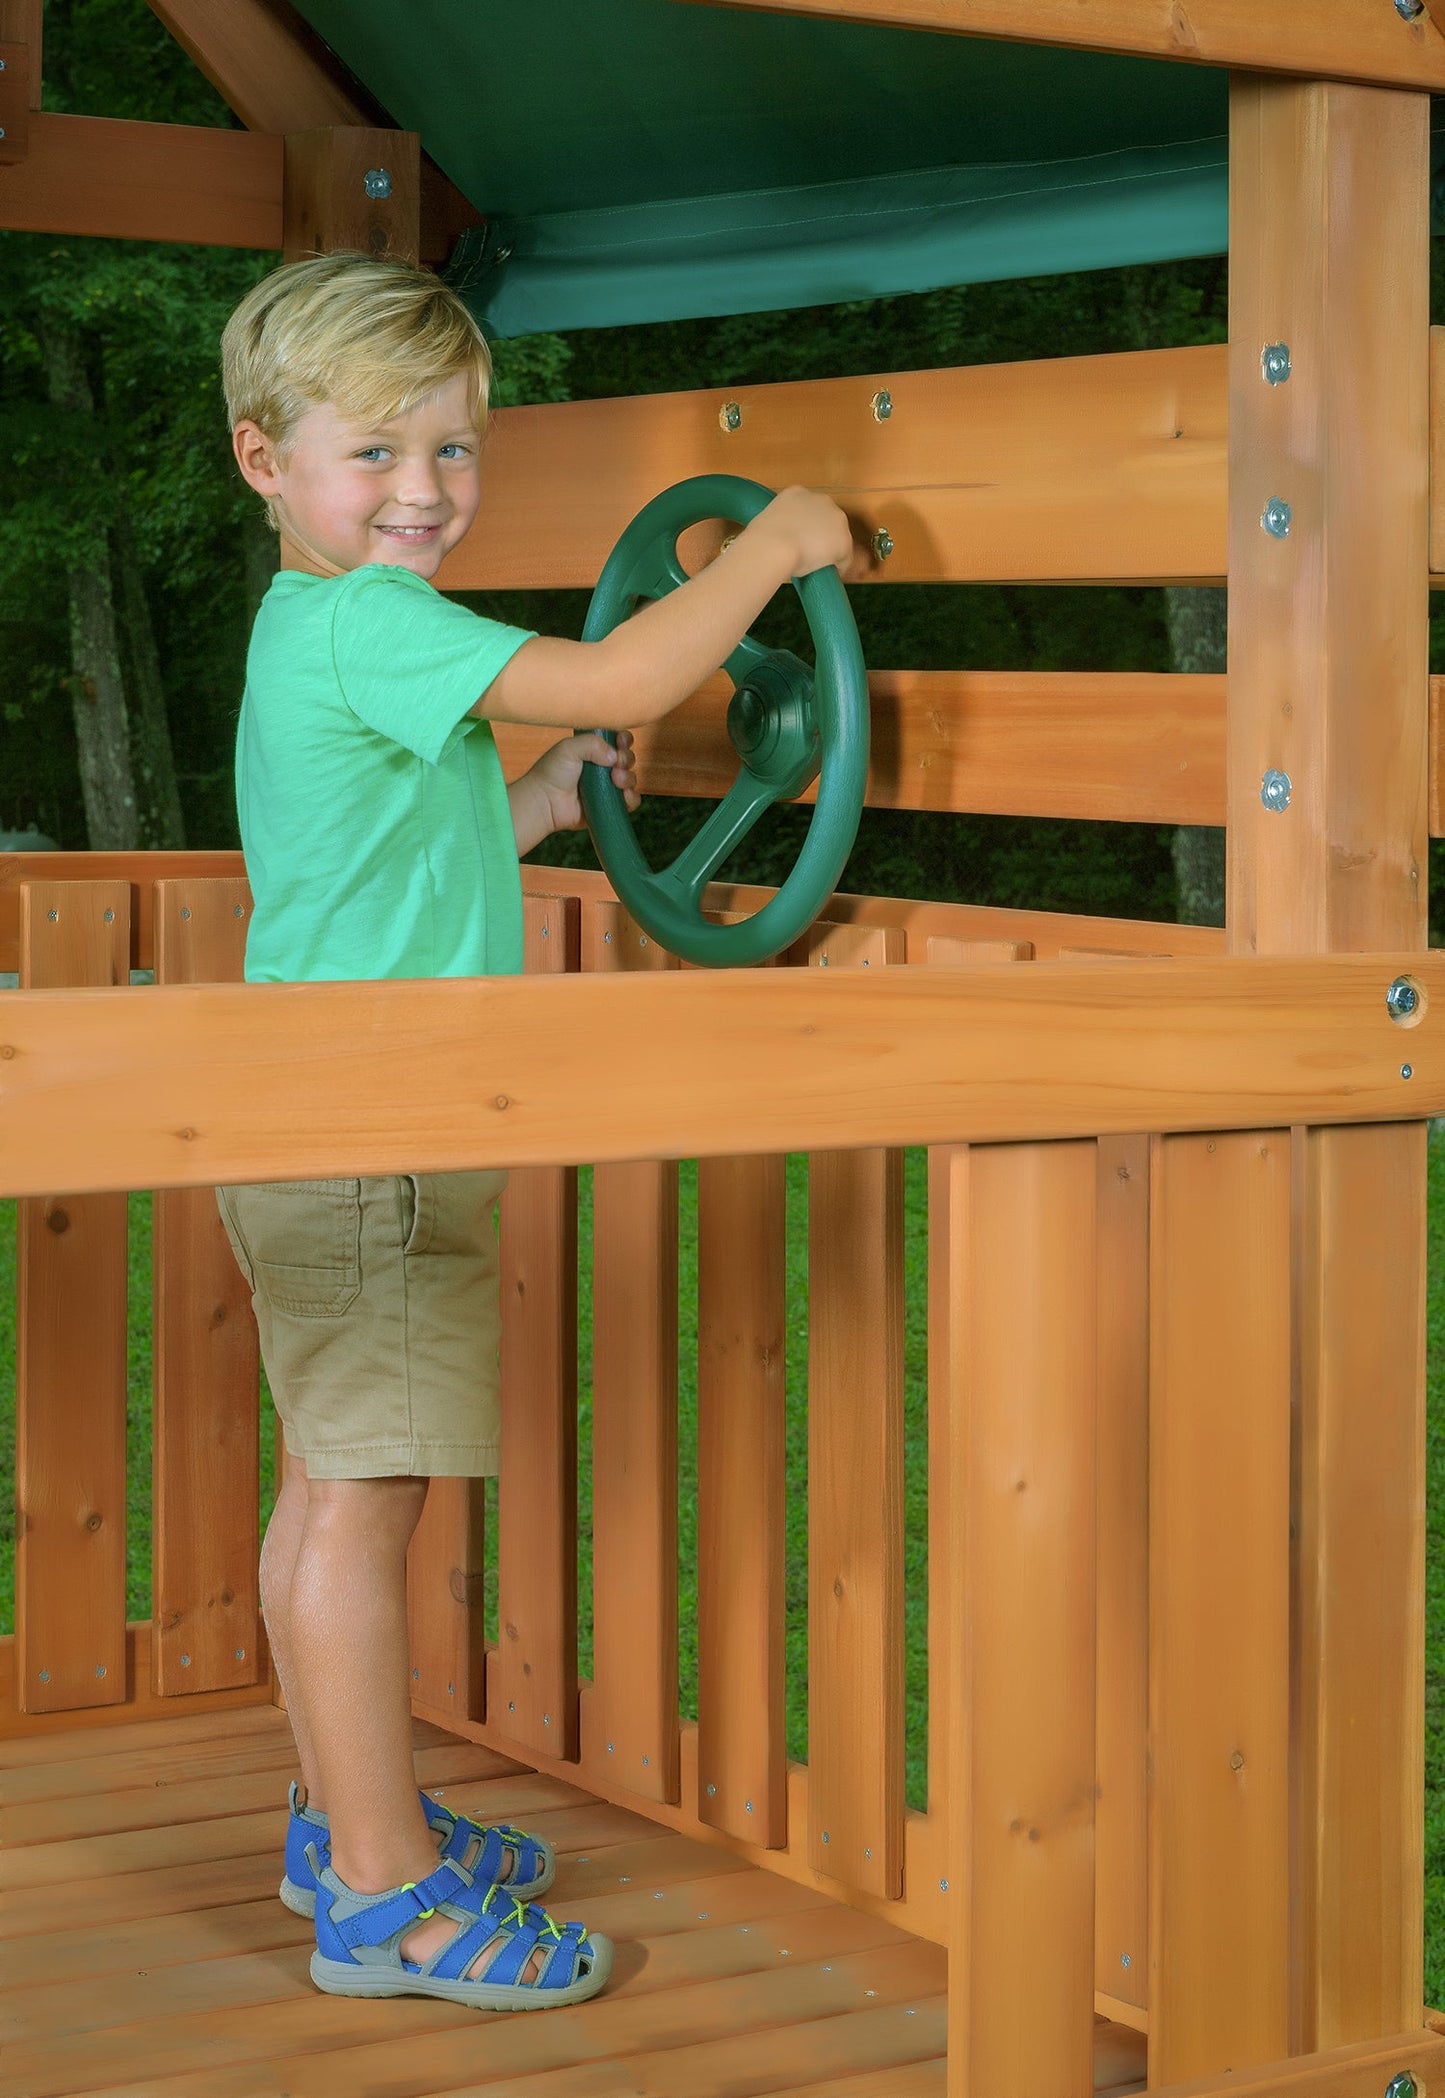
639 160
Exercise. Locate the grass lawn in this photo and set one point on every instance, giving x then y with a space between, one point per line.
138 1491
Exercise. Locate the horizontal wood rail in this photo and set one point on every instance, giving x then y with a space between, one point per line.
106 1089
1079 469
1327 39
105 175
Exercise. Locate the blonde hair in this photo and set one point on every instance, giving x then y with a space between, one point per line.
368 335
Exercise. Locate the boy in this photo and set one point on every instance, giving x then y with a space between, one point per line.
381 841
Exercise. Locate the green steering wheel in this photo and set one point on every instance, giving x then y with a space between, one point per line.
788 725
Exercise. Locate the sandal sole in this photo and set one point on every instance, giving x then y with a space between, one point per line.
344 1978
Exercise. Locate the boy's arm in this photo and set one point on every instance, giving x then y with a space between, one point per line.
653 661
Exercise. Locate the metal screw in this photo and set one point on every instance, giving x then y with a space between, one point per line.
546 1719
100 1668
731 417
1408 11
2 65
185 910
240 1653
1274 359
647 1762
943 1886
451 1689
1276 518
882 405
511 1705
2 131
712 1791
238 912
867 1853
1402 998
110 917
882 543
747 1806
610 1749
378 182
825 1835
1407 1070
1125 1960
1275 790
544 932
416 1675
45 1675
185 1660
503 254
54 916
642 940
1403 2085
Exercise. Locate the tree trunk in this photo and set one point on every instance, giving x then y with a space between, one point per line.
161 821
1198 624
97 688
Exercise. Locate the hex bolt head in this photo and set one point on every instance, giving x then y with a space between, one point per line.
240 1653
730 416
1402 998
1408 11
1274 361
1126 1959
747 1806
882 543
1403 2085
943 1886
185 1660
882 405
825 1835
1276 518
109 917
45 1675
378 182
712 1791
1407 1070
1275 790
100 1668
53 916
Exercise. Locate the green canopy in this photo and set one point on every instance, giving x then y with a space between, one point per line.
638 160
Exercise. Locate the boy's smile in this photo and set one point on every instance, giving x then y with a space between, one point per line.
346 493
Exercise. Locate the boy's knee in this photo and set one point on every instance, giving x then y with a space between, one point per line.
389 1507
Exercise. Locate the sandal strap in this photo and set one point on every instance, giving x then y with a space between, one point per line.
491 1860
401 1907
526 1930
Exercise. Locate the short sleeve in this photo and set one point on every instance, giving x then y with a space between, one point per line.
410 663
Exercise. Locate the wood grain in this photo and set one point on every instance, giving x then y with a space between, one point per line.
445 1584
205 1430
327 202
134 181
70 1366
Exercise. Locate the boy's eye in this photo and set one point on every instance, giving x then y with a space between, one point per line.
453 451
373 451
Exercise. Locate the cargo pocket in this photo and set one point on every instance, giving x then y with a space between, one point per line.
304 1237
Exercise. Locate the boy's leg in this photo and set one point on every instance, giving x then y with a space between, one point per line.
278 1565
350 1654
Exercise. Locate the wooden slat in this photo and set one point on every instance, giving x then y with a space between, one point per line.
1219 1603
742 1493
107 175
141 1703
855 1485
206 1495
272 70
1129 747
445 1592
634 1411
22 22
535 1683
1022 1513
15 102
1079 468
1329 37
70 1368
1046 930
1121 1935
187 1087
1328 633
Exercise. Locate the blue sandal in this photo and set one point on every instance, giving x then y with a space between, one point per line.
521 1865
359 1936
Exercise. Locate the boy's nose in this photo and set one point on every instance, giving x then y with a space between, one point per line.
419 485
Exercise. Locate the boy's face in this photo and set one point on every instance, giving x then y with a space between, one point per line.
345 493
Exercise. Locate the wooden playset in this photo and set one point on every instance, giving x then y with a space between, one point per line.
1176 1219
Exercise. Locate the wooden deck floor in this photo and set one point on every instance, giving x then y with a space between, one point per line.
146 1952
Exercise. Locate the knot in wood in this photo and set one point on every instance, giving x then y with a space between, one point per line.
58 1221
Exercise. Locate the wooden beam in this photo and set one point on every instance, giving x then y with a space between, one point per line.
1364 2071
191 1087
1074 469
350 187
1337 39
15 76
1329 252
104 175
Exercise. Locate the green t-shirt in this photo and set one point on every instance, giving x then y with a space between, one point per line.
373 810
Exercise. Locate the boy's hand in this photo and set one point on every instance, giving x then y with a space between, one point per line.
816 530
558 772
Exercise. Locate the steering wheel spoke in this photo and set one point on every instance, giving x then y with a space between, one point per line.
746 658
726 827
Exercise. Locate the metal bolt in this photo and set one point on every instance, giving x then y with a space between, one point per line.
610 1749
100 1668
54 916
416 1675
378 182
642 940
882 543
731 417
1274 359
1408 11
2 65
882 405
647 1762
544 932
825 1835
1276 518
45 1675
2 131
712 1791
943 1886
1275 790
238 912
1407 1070
451 1689
867 1853
240 1653
747 1806
1402 998
1403 2085
1125 1960
185 1660
546 1719
110 917
511 1705
185 910
503 254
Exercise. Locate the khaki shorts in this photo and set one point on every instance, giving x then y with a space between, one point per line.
380 1317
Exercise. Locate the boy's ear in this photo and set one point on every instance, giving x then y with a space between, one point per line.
256 457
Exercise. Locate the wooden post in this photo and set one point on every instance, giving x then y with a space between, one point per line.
1327 685
351 187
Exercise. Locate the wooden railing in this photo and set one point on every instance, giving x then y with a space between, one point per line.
1058 1259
